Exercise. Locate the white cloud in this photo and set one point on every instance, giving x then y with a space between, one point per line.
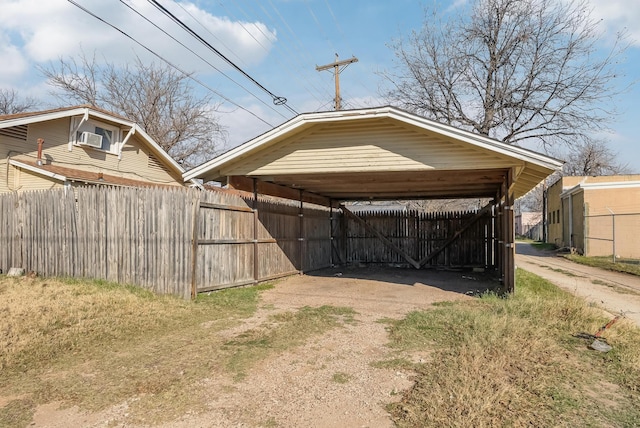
619 15
13 62
44 31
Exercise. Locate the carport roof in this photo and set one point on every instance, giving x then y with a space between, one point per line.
379 153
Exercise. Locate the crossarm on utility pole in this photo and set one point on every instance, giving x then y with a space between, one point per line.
336 71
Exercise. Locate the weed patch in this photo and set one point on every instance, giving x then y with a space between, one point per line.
341 378
514 362
96 344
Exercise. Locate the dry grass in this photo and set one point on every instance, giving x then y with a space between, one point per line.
97 345
515 362
627 266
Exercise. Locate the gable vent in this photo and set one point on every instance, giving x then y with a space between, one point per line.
18 132
154 163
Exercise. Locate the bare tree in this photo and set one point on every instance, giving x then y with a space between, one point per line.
158 98
12 103
593 157
513 70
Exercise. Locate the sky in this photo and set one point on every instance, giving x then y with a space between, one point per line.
278 43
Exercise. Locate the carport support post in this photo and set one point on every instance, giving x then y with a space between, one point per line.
301 236
509 273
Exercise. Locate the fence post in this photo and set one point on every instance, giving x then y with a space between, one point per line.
613 231
195 210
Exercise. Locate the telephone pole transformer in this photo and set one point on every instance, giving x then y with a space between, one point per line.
337 66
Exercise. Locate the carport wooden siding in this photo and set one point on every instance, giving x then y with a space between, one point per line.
373 145
301 238
244 241
418 235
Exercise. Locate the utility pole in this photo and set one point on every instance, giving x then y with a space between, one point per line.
337 66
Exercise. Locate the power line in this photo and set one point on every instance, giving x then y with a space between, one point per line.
167 61
315 18
337 66
344 38
277 100
199 56
299 73
207 30
300 50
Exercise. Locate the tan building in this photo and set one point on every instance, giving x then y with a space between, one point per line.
77 146
597 216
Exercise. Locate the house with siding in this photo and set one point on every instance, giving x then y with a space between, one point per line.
595 216
80 145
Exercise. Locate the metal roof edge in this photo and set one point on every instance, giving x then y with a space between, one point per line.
599 186
37 170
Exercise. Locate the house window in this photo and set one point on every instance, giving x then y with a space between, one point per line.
558 215
110 135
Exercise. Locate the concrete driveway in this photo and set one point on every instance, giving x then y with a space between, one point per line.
614 291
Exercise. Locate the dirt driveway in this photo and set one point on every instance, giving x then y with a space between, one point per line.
614 291
328 382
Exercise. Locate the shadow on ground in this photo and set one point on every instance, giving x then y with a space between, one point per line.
464 282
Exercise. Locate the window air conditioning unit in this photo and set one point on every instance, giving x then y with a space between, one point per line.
91 139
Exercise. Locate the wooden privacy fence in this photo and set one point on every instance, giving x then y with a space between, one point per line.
185 241
453 239
171 241
247 240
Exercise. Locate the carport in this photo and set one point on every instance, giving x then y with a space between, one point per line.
384 153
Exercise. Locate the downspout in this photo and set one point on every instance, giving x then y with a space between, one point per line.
545 232
570 220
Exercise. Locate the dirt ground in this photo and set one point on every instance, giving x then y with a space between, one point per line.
298 388
618 293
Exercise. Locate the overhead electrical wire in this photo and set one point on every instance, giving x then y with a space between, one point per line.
342 35
167 61
303 50
277 100
300 51
204 27
299 75
315 18
199 56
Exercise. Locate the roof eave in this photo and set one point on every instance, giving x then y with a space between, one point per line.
77 111
204 171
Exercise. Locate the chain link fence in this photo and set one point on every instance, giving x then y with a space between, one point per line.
613 234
